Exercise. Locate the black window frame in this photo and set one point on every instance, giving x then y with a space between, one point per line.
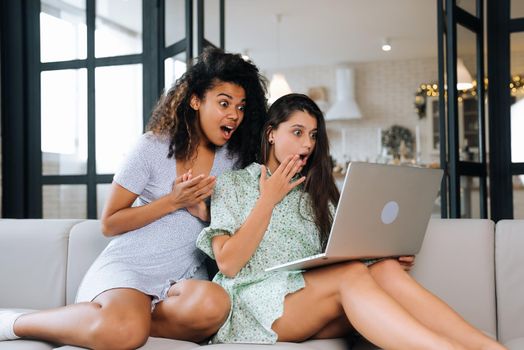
22 178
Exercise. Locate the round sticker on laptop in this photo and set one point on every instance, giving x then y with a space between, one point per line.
389 212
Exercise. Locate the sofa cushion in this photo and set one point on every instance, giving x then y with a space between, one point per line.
86 241
515 344
456 263
331 344
25 345
509 248
153 344
169 344
33 264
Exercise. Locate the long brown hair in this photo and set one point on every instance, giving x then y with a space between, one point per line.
319 184
173 116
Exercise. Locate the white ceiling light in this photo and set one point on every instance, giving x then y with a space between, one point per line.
278 86
464 79
386 45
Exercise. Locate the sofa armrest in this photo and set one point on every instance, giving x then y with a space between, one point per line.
456 263
33 260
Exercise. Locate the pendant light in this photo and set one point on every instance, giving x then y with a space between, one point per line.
278 86
464 79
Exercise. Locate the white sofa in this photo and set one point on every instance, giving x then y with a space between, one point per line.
474 265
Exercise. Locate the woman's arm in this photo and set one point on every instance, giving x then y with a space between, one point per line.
233 252
119 217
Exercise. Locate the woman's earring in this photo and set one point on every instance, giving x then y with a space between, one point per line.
271 142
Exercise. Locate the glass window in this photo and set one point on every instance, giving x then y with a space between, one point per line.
64 201
64 122
469 197
468 99
517 96
119 121
518 197
517 130
174 67
517 9
212 21
62 30
102 191
118 27
175 19
468 5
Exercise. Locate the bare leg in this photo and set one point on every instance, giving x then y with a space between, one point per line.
116 319
337 328
349 289
194 311
426 307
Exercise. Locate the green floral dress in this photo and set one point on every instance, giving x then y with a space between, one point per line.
257 297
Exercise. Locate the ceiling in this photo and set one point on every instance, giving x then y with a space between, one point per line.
328 32
312 32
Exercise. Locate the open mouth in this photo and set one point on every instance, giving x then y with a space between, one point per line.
227 131
303 158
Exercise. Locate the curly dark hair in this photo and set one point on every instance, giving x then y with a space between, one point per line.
173 116
320 183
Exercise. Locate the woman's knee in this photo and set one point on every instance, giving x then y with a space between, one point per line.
120 330
202 304
354 270
387 270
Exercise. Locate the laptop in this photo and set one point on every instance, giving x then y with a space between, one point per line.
383 211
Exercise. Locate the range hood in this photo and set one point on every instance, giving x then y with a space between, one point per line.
345 106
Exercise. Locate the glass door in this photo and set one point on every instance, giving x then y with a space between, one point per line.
462 109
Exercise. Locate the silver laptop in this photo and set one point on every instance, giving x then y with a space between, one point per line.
383 211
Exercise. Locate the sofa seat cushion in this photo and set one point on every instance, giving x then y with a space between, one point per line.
153 344
25 345
515 344
169 344
321 344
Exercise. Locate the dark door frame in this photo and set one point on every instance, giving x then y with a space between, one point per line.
449 17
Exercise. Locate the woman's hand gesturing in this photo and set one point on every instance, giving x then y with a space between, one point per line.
276 187
190 193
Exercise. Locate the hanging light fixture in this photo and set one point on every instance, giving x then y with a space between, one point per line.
464 79
278 86
345 106
386 45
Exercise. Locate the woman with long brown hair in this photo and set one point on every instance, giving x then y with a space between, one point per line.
151 279
280 211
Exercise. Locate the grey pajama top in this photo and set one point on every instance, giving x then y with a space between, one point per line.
151 258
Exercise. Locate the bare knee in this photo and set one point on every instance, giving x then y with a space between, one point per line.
387 270
202 305
348 275
389 265
119 331
353 271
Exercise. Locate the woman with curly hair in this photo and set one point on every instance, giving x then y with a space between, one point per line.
151 279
